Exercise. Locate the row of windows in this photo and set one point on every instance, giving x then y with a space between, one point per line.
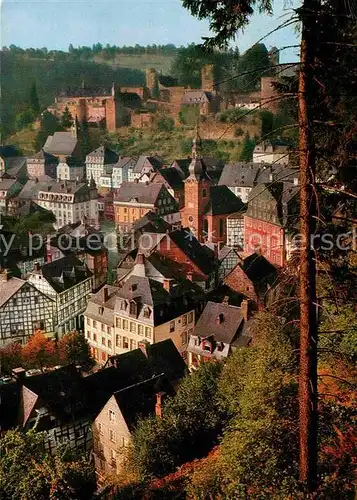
125 324
125 343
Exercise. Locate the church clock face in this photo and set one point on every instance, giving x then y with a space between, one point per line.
191 220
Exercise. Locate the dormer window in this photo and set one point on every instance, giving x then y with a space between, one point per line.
219 319
133 287
133 308
147 312
101 310
123 305
220 346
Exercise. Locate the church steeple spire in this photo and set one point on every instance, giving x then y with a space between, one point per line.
196 143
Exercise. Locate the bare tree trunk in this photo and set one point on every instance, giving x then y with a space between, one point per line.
307 290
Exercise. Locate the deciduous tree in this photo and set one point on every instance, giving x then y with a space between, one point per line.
39 351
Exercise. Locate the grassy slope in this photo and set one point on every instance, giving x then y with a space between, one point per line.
128 141
162 63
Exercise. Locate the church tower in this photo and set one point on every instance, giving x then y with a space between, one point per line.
197 194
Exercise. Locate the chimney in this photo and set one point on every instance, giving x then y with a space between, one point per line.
19 373
36 267
245 309
139 258
105 294
167 284
5 275
158 405
143 346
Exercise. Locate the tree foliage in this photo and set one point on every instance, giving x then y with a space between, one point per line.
189 426
66 119
27 472
39 351
247 149
73 347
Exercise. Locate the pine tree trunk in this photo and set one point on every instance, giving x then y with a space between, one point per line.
307 289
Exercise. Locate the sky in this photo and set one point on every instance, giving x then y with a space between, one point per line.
54 24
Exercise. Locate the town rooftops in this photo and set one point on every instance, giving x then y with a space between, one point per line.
32 188
154 161
65 273
43 155
138 192
139 400
6 184
109 156
223 201
221 321
240 174
60 143
61 391
173 177
151 223
272 146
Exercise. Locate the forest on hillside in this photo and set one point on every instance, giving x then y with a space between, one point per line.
18 74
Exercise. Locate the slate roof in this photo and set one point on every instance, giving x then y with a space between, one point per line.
123 161
151 222
9 405
32 188
65 273
139 191
257 268
62 391
9 288
60 143
151 360
96 301
106 153
14 164
240 174
6 184
226 330
182 165
172 177
154 161
139 400
187 242
223 201
43 155
274 173
196 97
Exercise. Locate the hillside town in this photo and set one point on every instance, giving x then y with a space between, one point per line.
178 264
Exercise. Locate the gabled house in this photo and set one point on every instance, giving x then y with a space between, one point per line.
145 165
134 199
118 319
240 178
42 164
271 220
23 309
252 277
182 247
58 404
87 243
97 161
220 329
271 151
62 145
114 425
68 282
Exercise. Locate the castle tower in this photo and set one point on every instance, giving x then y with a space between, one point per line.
207 78
197 193
152 82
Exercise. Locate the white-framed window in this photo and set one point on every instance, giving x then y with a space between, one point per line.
111 415
140 330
